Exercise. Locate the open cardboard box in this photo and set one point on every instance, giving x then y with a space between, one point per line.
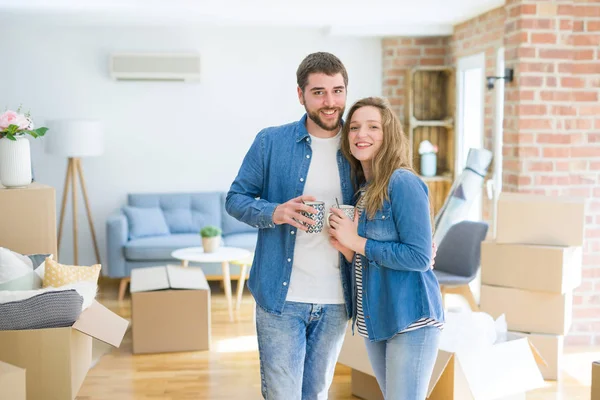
57 360
170 309
505 370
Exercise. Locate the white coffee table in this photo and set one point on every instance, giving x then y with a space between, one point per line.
224 255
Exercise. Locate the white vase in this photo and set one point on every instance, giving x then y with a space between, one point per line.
15 162
211 244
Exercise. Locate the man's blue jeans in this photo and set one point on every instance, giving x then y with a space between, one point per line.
403 364
299 349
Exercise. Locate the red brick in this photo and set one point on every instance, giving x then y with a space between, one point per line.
389 42
535 166
586 11
394 72
588 69
585 151
556 96
543 38
563 110
586 40
566 25
532 123
534 23
406 62
551 180
593 137
435 51
586 313
518 95
586 54
532 109
432 61
556 54
582 180
569 82
391 82
565 68
592 26
565 9
557 152
585 96
531 81
553 138
533 66
578 26
595 166
406 41
585 110
408 51
429 41
578 124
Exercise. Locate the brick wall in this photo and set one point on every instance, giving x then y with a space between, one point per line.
552 123
552 110
400 54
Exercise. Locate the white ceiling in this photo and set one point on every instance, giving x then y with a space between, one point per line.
350 17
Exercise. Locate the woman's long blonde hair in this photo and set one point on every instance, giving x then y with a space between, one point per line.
393 154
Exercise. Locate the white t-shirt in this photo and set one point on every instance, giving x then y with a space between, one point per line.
316 269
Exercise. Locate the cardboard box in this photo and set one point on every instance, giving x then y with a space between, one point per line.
12 382
551 349
529 311
554 269
595 380
505 370
28 218
170 309
537 219
365 386
57 360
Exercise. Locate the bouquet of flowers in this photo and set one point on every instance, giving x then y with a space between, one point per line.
14 124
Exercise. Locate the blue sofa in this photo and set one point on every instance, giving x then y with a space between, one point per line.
151 226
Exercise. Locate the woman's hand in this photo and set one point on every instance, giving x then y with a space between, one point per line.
346 252
345 231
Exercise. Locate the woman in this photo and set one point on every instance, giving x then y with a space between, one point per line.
397 299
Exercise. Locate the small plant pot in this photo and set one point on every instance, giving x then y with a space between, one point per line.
211 244
428 164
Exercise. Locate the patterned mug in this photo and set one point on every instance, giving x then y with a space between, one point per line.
348 210
318 217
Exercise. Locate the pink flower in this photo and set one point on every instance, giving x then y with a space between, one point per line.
13 118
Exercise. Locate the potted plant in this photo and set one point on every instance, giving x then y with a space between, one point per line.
428 154
211 238
15 154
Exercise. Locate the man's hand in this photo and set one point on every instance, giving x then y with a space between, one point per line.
289 213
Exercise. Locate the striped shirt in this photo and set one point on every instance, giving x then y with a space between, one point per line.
358 275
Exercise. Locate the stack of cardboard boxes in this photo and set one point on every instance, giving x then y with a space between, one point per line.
47 364
529 272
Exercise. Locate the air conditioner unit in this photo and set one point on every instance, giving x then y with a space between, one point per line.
155 67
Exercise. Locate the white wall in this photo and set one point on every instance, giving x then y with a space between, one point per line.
163 137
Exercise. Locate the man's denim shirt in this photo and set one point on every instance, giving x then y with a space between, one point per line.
273 172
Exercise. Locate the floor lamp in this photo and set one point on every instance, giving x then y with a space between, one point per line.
75 139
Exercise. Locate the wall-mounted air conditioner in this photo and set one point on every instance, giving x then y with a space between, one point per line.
155 66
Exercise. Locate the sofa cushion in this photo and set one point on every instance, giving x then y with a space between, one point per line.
184 212
242 240
57 275
160 248
145 221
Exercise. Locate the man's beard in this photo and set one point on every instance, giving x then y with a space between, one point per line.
316 118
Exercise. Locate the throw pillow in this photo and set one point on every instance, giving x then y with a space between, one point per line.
145 222
12 265
57 275
30 280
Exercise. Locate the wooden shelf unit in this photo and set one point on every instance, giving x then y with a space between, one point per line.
430 115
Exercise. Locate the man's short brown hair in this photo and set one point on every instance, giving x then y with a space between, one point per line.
321 62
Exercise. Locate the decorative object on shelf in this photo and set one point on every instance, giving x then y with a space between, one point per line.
428 154
75 139
430 115
211 238
15 154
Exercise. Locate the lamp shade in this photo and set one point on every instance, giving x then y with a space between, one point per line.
74 138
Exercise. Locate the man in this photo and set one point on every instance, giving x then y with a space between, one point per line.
300 282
